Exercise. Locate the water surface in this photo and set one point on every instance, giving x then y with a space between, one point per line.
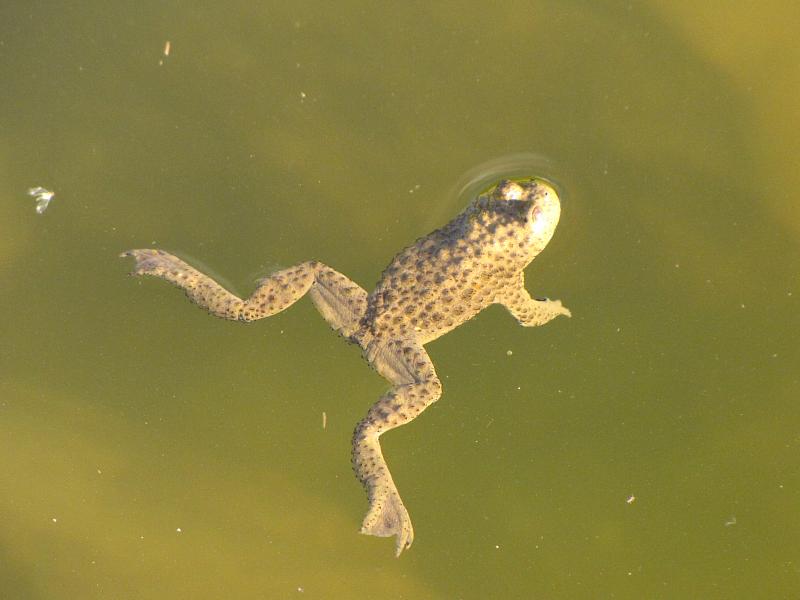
646 448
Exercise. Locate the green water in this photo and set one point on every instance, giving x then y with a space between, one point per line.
645 448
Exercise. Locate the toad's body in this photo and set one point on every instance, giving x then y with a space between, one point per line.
431 287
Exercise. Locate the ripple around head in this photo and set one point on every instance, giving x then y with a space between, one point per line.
482 177
523 165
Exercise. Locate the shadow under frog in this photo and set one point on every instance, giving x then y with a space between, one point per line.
430 288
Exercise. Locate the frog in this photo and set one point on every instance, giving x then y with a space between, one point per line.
431 287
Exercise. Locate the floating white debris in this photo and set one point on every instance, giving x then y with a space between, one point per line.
42 197
167 49
630 499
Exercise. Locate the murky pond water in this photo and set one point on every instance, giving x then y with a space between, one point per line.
645 448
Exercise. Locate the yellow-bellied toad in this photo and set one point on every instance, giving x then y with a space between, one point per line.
431 287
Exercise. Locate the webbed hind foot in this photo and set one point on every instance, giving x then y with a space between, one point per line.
387 517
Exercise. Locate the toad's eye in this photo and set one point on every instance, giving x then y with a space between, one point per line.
513 191
508 190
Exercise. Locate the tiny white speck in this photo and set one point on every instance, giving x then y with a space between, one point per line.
630 499
179 530
54 520
303 95
509 353
497 547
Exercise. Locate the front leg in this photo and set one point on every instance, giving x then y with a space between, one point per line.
530 312
416 387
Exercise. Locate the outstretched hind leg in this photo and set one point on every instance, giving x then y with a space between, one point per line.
416 386
340 301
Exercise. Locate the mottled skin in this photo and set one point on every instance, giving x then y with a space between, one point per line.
431 287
